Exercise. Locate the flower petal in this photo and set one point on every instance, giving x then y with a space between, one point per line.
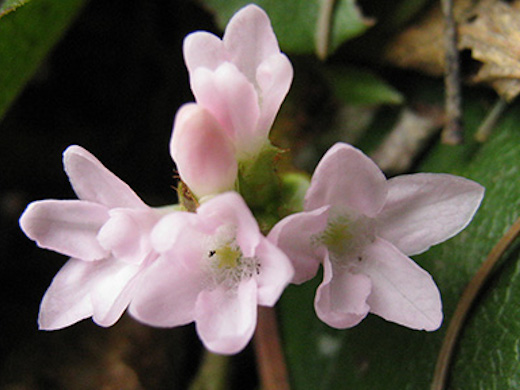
425 209
226 319
172 228
93 182
66 226
203 50
232 100
402 292
249 39
127 234
274 77
230 209
294 236
167 291
67 299
274 274
341 298
113 291
202 151
345 177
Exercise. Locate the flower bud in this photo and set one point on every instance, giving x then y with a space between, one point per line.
203 152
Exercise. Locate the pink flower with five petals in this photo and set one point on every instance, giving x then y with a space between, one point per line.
362 227
215 268
106 234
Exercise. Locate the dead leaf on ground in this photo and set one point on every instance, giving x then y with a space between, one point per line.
489 29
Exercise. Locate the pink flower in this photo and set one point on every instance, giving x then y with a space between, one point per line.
215 268
106 234
242 79
203 152
362 228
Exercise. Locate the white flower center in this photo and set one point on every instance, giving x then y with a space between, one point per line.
227 264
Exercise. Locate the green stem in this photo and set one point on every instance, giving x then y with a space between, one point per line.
213 373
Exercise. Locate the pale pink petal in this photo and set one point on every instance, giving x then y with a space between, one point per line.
113 291
425 209
93 182
249 39
174 228
232 100
296 236
402 292
274 273
168 289
274 77
226 318
345 177
230 209
67 300
69 227
202 151
341 299
202 49
127 234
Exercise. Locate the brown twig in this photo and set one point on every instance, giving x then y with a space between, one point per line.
269 355
452 133
490 121
468 297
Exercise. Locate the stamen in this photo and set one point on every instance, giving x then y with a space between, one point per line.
227 264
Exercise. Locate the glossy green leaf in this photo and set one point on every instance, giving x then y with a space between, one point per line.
27 33
295 22
361 87
380 355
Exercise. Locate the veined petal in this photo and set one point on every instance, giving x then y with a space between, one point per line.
203 153
230 209
295 236
226 319
341 299
168 289
425 209
113 291
274 76
93 182
274 274
249 39
203 50
67 299
346 177
66 226
232 100
402 292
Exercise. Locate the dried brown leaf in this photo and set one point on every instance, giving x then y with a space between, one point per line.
489 29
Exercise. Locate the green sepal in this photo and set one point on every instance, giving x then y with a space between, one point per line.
260 185
294 188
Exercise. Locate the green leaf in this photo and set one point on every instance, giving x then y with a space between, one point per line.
295 22
26 35
380 355
361 87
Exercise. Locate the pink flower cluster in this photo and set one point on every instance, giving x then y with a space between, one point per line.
212 265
